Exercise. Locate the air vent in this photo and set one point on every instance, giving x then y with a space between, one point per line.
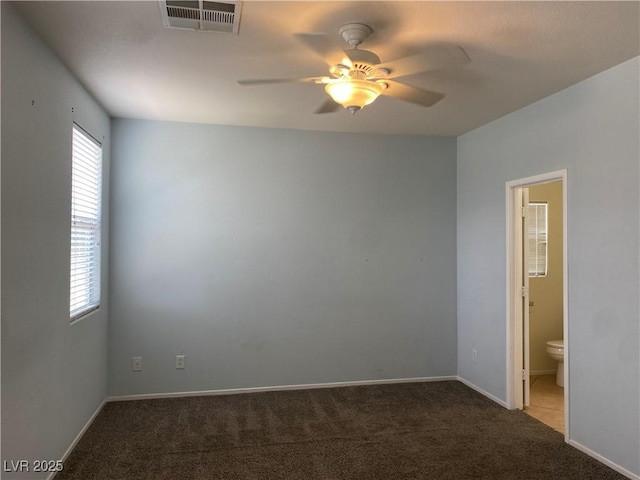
201 15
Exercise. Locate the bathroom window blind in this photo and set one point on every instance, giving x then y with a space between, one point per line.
537 239
86 200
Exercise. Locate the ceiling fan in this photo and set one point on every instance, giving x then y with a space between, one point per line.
358 77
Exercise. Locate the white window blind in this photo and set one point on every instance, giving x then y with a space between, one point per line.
537 239
86 200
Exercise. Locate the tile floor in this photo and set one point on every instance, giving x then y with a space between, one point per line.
547 401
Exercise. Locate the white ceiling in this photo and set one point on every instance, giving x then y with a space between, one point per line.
520 52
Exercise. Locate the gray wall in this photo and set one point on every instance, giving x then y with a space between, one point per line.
592 130
278 257
53 374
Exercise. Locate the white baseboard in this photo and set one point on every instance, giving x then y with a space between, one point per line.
604 460
79 436
308 386
483 392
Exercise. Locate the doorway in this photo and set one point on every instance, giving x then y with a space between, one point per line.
528 266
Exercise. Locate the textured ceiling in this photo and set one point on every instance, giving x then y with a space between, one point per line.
520 52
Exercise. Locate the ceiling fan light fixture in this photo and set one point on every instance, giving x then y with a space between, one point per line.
354 94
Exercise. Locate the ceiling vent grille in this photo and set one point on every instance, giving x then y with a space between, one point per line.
202 15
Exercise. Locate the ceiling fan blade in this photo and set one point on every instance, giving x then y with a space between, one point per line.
329 106
411 94
432 58
320 43
269 81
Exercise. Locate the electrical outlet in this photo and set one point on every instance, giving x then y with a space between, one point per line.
474 355
137 364
179 361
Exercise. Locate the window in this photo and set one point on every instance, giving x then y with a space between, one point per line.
537 239
86 200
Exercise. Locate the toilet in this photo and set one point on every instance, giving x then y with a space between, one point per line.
555 349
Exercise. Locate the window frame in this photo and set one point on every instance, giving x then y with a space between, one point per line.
537 273
86 224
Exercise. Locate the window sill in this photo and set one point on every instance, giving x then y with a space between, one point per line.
84 315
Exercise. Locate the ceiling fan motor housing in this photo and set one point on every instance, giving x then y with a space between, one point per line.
363 62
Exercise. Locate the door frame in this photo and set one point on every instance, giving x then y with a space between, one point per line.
515 331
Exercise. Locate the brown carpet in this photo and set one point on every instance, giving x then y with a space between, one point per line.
438 431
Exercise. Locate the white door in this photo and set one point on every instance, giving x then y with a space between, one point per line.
525 297
521 295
